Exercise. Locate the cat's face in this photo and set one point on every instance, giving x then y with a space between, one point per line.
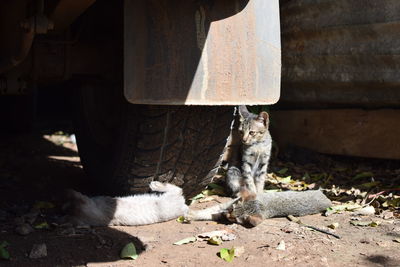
252 127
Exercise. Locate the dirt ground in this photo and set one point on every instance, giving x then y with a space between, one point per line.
38 167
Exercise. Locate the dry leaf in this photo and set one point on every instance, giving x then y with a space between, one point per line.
333 225
186 241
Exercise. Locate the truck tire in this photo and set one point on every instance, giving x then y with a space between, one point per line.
123 147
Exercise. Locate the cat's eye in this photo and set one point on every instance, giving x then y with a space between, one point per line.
252 132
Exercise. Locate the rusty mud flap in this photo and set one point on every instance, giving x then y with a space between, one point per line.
214 52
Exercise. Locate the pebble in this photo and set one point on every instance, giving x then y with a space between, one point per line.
31 216
386 215
281 246
24 229
369 210
38 251
67 231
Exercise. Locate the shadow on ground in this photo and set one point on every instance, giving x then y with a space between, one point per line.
36 167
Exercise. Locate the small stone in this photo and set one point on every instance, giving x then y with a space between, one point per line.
368 210
24 229
228 237
281 245
386 215
239 251
67 231
38 251
31 216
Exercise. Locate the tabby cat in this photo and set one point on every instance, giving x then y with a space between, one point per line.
256 151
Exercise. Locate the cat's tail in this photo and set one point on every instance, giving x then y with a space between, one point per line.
75 197
74 203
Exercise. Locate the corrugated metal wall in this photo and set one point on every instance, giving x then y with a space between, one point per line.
340 53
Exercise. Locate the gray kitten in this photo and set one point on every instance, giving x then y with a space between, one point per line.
251 209
256 151
129 210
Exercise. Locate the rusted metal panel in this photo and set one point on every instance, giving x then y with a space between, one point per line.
340 53
219 52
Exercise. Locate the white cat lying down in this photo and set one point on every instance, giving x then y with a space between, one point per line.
129 210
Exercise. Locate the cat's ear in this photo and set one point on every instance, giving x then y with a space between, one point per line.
263 117
243 112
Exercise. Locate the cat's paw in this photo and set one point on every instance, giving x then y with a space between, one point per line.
157 186
190 215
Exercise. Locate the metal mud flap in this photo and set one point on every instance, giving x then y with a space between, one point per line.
204 52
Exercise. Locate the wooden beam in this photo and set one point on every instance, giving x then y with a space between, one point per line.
353 132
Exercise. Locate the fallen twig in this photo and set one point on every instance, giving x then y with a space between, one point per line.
297 220
383 192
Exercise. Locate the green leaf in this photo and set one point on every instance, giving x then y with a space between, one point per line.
196 197
182 219
186 241
363 175
364 224
4 254
215 240
207 192
227 254
283 171
43 225
43 205
129 252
